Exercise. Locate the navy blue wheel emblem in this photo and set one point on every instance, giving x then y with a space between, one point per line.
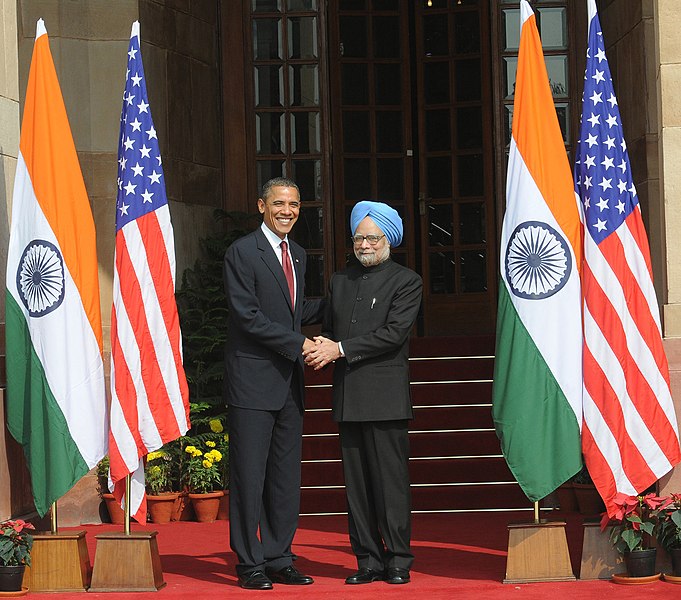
40 278
537 261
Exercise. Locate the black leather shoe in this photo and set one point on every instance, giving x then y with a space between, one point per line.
364 575
397 575
289 575
255 580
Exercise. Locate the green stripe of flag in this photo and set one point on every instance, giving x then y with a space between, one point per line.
35 419
531 414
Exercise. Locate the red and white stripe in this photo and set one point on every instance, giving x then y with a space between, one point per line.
630 433
150 399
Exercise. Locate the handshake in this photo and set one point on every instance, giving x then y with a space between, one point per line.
320 351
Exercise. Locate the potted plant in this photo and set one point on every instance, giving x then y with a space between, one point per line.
633 528
114 510
161 496
16 542
204 478
669 530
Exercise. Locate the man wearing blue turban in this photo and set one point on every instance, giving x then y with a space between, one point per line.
372 308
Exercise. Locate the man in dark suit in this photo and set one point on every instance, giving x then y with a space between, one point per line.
264 388
372 308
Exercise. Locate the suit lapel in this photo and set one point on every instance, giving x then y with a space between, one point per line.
272 261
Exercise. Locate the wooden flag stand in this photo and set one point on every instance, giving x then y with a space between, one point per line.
538 552
125 561
59 561
600 560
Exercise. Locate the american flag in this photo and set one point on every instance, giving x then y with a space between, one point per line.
150 400
629 435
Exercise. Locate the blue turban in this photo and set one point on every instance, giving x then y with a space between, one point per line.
385 217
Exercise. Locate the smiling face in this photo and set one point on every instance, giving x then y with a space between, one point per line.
280 209
366 253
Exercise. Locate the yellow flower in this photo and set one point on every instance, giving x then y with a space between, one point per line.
196 453
216 426
210 444
155 455
216 455
207 463
190 449
155 470
226 437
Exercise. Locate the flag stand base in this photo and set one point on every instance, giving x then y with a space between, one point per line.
127 563
600 560
538 552
59 563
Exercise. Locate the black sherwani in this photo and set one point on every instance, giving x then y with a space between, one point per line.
264 389
371 312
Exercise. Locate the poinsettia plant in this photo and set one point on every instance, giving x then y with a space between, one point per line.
16 542
669 523
635 521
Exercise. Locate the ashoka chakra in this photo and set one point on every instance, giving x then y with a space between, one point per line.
538 261
40 278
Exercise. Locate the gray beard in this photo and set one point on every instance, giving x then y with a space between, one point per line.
371 260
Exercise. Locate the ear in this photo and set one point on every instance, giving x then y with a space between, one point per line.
261 206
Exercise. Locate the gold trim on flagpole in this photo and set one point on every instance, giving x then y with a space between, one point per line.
127 505
536 512
53 518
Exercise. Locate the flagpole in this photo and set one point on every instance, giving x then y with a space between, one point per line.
53 517
126 506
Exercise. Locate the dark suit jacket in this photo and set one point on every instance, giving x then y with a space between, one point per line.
264 342
371 312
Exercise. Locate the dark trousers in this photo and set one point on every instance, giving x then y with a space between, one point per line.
264 488
376 468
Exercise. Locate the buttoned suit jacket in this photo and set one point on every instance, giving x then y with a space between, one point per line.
264 339
371 312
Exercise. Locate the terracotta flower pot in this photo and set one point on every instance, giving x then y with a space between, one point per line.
183 509
206 505
161 507
116 513
675 553
589 500
223 510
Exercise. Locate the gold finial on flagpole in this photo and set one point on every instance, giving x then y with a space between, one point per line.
536 512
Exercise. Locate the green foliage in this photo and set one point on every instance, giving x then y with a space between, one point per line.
203 467
669 523
158 472
16 542
203 311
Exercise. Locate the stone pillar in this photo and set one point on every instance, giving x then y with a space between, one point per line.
667 21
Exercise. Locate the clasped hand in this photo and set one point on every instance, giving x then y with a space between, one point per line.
322 353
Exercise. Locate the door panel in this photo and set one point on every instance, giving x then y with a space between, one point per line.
411 108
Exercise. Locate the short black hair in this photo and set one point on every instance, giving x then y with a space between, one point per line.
277 182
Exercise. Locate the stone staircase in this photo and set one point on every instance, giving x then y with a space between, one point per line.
456 463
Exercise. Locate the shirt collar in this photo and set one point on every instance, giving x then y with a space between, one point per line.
272 237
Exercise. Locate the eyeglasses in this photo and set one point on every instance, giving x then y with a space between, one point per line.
372 239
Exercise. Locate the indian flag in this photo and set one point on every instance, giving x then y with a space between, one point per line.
537 393
56 403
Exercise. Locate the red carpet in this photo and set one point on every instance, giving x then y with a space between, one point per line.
457 556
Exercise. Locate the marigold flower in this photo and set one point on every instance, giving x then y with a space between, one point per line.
210 444
190 449
207 463
216 426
